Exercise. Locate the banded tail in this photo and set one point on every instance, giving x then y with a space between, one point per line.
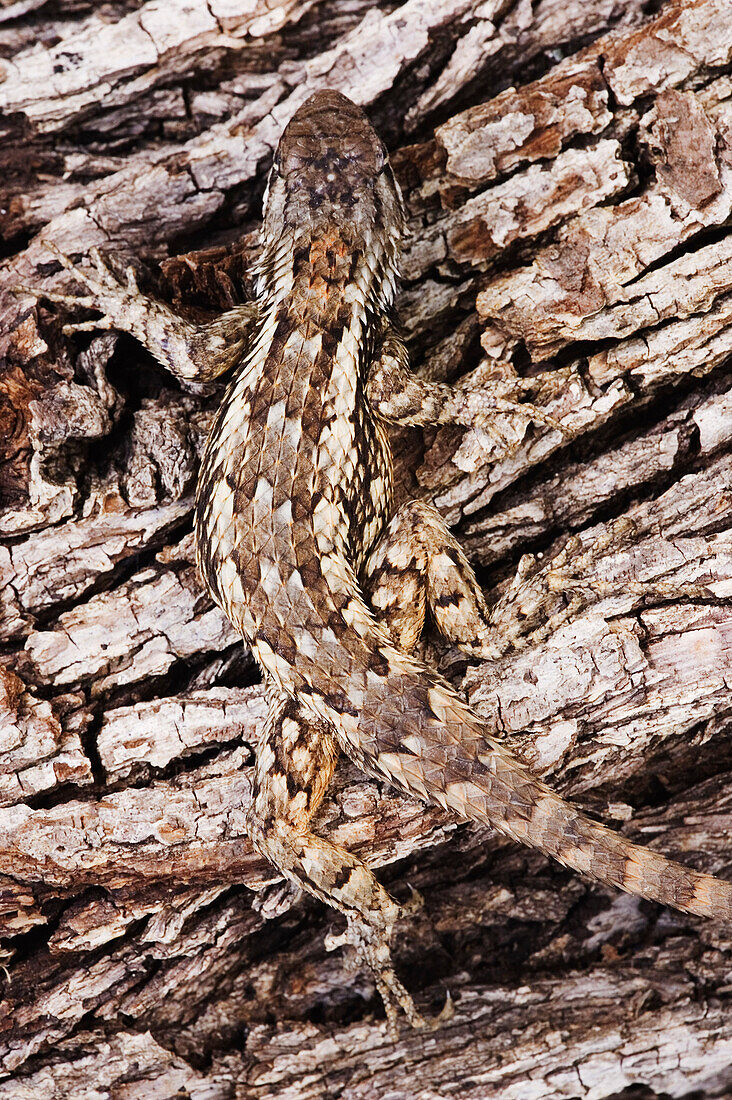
413 729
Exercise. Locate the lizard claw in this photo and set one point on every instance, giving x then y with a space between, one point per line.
446 1013
103 282
62 258
105 293
332 941
415 903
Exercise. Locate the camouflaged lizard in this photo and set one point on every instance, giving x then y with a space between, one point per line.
299 544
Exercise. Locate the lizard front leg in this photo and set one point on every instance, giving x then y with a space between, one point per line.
192 353
295 762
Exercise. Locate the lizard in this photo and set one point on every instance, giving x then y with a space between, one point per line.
299 543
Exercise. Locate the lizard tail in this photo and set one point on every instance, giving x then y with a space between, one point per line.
428 742
536 815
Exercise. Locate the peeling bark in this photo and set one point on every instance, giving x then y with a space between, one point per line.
567 169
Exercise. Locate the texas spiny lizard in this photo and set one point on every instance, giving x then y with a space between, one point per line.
298 541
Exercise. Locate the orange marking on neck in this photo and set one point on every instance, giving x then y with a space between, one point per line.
332 243
323 255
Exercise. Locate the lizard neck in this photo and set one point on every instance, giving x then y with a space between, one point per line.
318 269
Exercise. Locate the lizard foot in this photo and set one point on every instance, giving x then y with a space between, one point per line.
491 411
415 903
107 295
528 613
372 948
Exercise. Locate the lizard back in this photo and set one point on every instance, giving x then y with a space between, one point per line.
296 481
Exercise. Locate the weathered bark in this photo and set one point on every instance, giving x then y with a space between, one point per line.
568 173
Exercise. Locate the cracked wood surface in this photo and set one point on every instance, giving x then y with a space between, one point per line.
569 193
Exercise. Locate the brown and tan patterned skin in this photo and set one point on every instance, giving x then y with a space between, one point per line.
298 543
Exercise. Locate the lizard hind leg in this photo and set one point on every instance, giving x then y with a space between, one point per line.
295 762
416 565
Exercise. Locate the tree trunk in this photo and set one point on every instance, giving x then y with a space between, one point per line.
567 167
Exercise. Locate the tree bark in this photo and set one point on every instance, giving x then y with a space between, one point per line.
567 168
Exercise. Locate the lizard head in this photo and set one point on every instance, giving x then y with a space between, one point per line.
332 168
